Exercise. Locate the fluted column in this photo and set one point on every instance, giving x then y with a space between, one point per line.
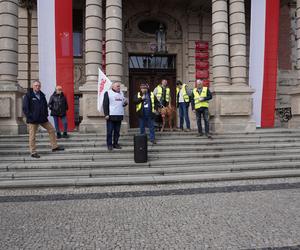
220 46
298 39
10 91
8 41
237 27
114 37
93 39
92 120
295 93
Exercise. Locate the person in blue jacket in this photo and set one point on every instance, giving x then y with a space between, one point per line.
35 108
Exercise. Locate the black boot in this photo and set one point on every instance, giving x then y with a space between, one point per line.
58 135
65 135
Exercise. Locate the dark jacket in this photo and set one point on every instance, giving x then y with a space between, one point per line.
58 104
209 97
106 109
137 100
35 110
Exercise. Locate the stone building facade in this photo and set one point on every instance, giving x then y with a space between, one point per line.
121 37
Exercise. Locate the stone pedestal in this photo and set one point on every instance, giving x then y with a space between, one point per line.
295 106
92 120
231 110
11 117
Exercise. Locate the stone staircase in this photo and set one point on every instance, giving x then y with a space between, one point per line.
178 157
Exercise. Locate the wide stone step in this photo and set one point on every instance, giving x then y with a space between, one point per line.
173 170
128 163
23 155
153 155
183 136
153 179
21 148
131 132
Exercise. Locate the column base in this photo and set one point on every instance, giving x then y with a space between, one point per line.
11 116
295 106
231 110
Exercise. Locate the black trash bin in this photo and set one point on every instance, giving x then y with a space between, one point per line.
140 148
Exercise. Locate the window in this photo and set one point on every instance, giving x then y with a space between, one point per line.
152 62
77 32
150 26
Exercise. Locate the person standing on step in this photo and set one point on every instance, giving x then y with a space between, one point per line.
146 105
163 93
35 109
183 103
58 105
199 99
113 108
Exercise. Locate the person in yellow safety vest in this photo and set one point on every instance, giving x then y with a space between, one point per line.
163 93
183 103
146 106
199 99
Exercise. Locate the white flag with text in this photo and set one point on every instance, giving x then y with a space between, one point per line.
104 85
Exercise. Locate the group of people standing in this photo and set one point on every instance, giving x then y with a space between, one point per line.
147 102
35 108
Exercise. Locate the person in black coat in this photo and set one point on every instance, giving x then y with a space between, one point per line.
58 105
35 109
146 106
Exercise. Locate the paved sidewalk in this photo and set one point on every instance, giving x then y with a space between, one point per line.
222 215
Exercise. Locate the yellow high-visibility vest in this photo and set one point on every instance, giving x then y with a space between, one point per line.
185 94
198 103
160 92
139 106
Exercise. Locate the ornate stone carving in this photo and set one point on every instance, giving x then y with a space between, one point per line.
285 114
79 75
132 30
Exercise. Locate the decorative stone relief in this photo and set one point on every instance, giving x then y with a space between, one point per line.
79 75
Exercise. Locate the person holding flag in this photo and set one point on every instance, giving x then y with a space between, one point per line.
113 107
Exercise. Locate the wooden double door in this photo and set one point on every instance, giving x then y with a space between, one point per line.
153 78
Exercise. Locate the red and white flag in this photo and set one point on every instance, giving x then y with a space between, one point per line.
55 49
263 59
104 84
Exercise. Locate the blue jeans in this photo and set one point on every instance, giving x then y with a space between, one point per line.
202 112
184 114
147 119
113 132
64 122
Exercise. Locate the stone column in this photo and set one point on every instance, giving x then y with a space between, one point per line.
237 27
10 91
92 119
220 46
114 38
295 93
231 107
114 48
298 39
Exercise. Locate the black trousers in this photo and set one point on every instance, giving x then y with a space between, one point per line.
112 132
202 112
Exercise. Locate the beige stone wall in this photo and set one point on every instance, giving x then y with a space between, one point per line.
287 79
23 47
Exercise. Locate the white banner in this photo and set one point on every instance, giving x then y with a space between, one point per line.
257 55
46 47
104 85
